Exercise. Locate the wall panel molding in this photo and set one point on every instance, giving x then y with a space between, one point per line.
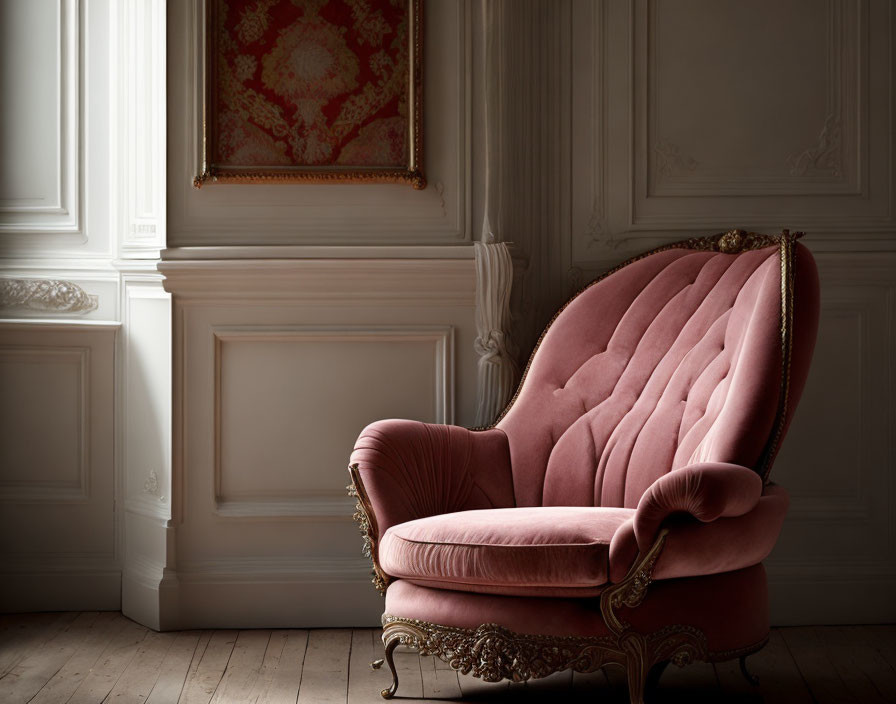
57 486
55 206
278 365
282 501
833 173
142 129
825 160
34 488
364 282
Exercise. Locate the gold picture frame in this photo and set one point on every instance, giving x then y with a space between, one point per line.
259 111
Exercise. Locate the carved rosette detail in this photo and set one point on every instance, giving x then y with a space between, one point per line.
152 486
46 295
825 157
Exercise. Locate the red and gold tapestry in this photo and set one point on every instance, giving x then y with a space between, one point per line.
313 89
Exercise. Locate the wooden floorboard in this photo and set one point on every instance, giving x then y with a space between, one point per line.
36 668
325 673
63 684
281 672
206 674
807 647
105 658
174 667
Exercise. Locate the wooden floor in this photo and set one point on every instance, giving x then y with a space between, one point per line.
104 657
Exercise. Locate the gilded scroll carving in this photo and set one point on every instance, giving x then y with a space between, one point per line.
363 516
494 653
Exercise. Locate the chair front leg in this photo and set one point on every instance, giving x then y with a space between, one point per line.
637 665
390 661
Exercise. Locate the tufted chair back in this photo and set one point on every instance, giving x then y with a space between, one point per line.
696 352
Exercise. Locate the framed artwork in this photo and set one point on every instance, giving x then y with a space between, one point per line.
319 91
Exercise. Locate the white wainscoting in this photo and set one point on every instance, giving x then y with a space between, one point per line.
59 544
144 441
288 401
278 366
57 132
40 182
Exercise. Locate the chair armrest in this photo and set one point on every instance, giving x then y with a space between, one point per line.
413 470
693 548
706 491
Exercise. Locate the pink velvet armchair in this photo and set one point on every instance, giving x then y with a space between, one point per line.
619 510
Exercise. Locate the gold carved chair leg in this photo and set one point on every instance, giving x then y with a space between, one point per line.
390 661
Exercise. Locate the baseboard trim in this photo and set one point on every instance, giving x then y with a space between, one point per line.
57 590
799 601
288 603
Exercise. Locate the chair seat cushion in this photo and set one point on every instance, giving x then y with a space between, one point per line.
535 551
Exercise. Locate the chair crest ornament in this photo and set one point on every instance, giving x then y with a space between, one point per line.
734 241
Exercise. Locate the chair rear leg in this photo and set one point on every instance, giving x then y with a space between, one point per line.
749 676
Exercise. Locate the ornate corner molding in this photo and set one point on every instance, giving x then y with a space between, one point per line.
826 157
670 161
46 295
153 486
596 236
497 369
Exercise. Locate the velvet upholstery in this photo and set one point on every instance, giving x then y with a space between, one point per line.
730 608
671 361
414 470
695 548
705 491
521 551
